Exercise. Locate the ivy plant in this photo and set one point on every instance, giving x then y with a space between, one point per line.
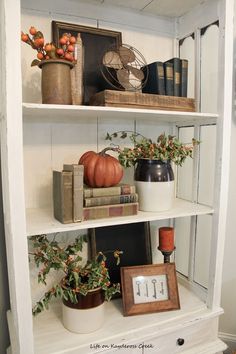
78 278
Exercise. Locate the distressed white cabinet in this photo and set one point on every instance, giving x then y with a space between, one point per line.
36 138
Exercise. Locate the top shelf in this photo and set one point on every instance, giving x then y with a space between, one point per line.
65 113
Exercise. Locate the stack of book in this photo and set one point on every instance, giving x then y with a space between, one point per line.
120 200
168 78
74 202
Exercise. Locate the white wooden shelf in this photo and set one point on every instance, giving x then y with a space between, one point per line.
40 221
63 113
51 337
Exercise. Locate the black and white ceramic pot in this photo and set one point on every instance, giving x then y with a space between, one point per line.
154 181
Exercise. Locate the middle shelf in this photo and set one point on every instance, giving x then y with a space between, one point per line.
73 113
41 221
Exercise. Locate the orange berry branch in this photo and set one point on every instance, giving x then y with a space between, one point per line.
49 51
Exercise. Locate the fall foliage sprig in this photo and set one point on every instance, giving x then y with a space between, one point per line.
77 278
166 147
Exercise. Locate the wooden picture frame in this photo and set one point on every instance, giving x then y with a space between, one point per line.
95 42
149 288
133 239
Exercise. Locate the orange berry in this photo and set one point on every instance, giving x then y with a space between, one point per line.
60 51
72 40
47 57
32 30
48 47
63 40
40 56
39 42
70 48
24 37
68 56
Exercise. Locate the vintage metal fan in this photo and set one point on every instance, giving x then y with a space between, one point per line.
122 68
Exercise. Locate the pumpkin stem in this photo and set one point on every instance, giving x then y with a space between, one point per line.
103 152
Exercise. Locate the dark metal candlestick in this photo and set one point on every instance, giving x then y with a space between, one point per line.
166 254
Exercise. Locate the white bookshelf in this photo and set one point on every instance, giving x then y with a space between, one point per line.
36 139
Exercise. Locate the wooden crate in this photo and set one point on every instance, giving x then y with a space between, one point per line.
142 100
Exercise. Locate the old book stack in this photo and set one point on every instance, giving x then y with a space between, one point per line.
74 202
120 200
168 78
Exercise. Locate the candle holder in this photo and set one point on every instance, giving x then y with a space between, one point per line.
166 254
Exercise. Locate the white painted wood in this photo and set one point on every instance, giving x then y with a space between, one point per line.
200 16
192 336
51 337
185 172
208 348
147 41
132 4
12 179
166 8
197 289
197 68
160 7
209 68
227 323
222 151
185 227
182 237
207 164
187 52
51 120
202 250
116 15
59 113
41 221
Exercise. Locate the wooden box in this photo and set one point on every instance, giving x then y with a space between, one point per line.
113 98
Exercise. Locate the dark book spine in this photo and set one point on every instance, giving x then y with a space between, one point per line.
184 78
176 75
169 78
154 78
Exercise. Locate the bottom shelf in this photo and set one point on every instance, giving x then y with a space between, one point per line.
52 338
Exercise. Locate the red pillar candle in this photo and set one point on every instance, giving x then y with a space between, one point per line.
166 238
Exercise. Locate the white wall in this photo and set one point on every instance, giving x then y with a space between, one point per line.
228 320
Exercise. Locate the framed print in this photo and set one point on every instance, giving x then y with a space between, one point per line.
95 42
149 288
132 239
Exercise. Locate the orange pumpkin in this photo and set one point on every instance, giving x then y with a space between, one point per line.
101 169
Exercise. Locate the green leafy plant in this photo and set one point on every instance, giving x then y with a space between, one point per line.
48 51
78 278
166 147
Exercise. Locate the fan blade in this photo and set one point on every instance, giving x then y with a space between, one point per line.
136 72
123 78
126 55
111 59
